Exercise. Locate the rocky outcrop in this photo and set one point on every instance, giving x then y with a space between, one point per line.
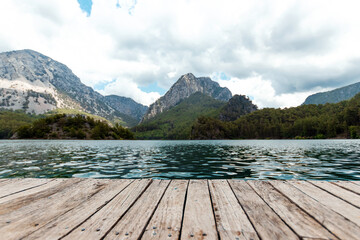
187 85
334 96
237 106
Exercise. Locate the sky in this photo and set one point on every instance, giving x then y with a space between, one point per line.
277 52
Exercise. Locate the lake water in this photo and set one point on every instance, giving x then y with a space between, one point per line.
243 159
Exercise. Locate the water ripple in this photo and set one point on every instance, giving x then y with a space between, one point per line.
243 159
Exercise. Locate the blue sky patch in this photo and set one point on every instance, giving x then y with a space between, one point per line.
86 5
153 88
223 76
101 85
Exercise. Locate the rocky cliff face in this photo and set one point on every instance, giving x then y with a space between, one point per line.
127 106
334 96
187 85
36 83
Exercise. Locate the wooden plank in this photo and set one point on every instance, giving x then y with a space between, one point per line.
232 222
100 223
20 202
21 184
334 222
199 221
265 221
30 192
329 200
31 217
299 221
356 182
349 186
62 225
133 223
166 221
340 192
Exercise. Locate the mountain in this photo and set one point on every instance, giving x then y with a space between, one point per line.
334 96
237 106
187 85
37 84
176 122
127 106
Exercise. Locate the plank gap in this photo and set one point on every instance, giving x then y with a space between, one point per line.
132 204
321 223
23 190
98 209
154 210
275 211
252 224
213 210
336 195
183 211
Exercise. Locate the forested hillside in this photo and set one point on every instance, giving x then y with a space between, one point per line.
340 120
176 122
10 121
62 126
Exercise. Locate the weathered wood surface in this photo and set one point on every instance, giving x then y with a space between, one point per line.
178 209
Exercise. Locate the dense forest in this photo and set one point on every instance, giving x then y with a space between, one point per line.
340 120
62 126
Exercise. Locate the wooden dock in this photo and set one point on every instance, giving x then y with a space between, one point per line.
178 209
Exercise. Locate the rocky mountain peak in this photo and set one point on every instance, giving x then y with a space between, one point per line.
37 84
184 87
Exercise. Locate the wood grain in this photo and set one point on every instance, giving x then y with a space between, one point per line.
340 192
199 221
64 224
33 216
232 222
349 186
15 185
133 223
340 226
100 223
28 194
334 203
299 221
266 222
166 221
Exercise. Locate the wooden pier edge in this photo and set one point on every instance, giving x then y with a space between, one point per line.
178 209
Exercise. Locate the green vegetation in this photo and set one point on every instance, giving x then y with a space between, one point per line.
10 121
125 120
67 111
176 122
237 106
306 121
62 126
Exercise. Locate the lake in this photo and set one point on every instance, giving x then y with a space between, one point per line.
242 159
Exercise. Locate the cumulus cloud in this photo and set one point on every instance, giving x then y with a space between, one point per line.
262 93
291 47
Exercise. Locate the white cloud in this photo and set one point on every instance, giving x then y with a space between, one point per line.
262 93
296 46
129 89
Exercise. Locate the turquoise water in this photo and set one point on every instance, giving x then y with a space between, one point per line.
243 159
